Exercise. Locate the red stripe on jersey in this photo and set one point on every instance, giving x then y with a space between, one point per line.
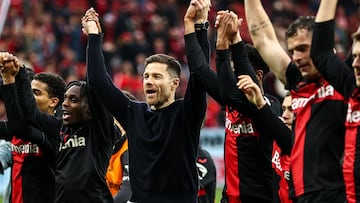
302 102
281 165
348 165
351 150
20 151
297 153
231 170
232 178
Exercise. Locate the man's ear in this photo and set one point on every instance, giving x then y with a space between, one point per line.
54 101
259 74
175 82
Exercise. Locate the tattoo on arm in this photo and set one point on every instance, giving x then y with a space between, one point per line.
256 27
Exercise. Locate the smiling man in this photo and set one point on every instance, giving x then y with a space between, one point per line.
163 133
318 138
85 133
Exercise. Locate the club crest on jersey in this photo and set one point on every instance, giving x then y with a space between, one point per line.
73 142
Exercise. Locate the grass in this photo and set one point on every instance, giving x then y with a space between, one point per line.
217 195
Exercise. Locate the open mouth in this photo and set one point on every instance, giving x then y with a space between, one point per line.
65 115
302 66
150 92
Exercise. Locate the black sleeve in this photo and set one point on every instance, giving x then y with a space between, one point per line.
101 82
242 65
230 93
277 128
26 98
195 95
36 124
208 78
334 70
14 111
4 132
48 143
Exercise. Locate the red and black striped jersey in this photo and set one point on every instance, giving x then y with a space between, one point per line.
318 133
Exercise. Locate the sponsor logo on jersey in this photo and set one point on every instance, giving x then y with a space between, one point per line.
25 148
287 175
276 160
239 128
322 92
352 116
73 142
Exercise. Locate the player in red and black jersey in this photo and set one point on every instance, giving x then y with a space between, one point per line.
280 161
254 170
261 181
318 139
85 143
32 174
347 83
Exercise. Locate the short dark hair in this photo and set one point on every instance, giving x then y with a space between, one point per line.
55 85
256 60
173 66
302 22
79 83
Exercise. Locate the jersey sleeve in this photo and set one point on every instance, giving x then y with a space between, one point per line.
334 70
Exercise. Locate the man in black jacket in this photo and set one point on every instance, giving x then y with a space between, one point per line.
163 133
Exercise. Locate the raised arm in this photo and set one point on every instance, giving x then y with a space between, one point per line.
280 132
326 11
97 76
10 67
228 32
24 119
264 39
195 96
335 71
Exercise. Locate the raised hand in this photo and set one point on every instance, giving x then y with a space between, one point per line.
90 22
9 67
202 15
227 23
251 90
197 9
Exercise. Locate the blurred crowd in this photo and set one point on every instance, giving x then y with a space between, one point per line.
46 35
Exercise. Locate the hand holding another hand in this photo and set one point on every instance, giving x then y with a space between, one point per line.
9 67
90 22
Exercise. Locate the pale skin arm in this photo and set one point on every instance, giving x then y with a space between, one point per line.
326 11
264 38
196 11
251 90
